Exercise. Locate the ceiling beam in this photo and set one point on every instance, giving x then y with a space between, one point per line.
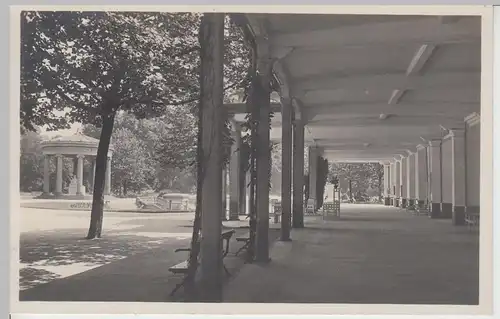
388 81
420 58
403 109
422 121
395 96
430 31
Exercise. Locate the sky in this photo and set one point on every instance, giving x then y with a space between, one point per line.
74 127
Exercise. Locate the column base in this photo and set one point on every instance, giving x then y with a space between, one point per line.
391 201
435 210
387 201
420 203
237 217
396 202
458 216
446 210
404 203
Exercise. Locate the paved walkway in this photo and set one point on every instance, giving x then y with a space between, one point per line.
373 255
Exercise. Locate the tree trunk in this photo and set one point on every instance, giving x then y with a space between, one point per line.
125 188
96 214
211 39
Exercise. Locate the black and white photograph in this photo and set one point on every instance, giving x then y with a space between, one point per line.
252 157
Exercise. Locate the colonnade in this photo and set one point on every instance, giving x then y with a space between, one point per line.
79 174
443 174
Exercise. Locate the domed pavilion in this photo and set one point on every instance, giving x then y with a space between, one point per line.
78 147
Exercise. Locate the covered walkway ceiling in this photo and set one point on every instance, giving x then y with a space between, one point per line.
369 86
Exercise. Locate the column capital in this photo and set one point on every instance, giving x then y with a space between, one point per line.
409 152
472 119
457 133
434 143
421 147
58 155
80 156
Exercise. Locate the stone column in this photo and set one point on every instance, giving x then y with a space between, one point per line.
435 177
248 191
59 171
410 177
298 174
235 174
397 183
46 174
473 163
79 175
446 177
286 168
313 172
421 175
107 182
403 184
243 187
387 183
458 176
262 96
393 182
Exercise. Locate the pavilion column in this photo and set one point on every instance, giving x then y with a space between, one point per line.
211 100
286 168
235 174
410 178
397 183
313 174
435 177
59 171
298 174
107 182
392 192
262 95
387 187
458 175
79 175
421 176
403 184
46 174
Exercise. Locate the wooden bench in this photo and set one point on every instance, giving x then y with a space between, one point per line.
183 267
471 220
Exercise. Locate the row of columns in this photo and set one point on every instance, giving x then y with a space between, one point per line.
444 174
292 185
79 174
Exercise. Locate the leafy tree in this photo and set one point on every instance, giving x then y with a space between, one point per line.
31 162
96 63
361 175
129 164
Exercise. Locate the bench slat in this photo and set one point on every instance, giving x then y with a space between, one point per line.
180 267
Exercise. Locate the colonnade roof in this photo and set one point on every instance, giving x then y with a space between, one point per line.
371 87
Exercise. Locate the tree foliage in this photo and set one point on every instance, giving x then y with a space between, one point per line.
363 176
92 64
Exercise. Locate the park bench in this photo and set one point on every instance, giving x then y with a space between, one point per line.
471 220
277 212
183 267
